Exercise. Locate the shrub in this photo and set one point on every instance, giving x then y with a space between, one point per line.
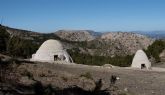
8 71
155 49
87 75
87 59
38 88
49 90
4 37
18 47
64 78
30 75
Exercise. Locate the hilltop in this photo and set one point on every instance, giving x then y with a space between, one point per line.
75 35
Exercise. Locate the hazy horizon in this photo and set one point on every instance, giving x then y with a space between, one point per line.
96 15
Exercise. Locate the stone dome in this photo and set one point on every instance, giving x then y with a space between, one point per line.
50 46
140 60
50 51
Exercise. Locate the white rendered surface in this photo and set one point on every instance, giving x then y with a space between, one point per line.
47 51
140 58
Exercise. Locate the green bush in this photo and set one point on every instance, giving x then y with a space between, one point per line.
4 36
155 49
18 47
87 59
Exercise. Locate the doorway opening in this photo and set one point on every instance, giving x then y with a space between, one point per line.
55 57
143 66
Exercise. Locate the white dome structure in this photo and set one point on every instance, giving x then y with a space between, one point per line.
50 51
140 60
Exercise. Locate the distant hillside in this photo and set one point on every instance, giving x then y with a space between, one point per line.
127 42
153 34
90 42
76 35
106 44
22 33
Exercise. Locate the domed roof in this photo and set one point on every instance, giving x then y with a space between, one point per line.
140 58
50 46
50 51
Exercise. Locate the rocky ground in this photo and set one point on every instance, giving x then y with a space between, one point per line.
134 82
131 81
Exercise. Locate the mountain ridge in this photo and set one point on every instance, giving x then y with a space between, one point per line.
90 42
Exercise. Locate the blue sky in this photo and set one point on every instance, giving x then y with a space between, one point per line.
98 15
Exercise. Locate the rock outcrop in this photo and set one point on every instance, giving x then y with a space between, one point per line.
131 42
75 35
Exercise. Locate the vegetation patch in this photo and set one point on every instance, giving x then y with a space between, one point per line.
155 49
87 59
64 78
87 75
